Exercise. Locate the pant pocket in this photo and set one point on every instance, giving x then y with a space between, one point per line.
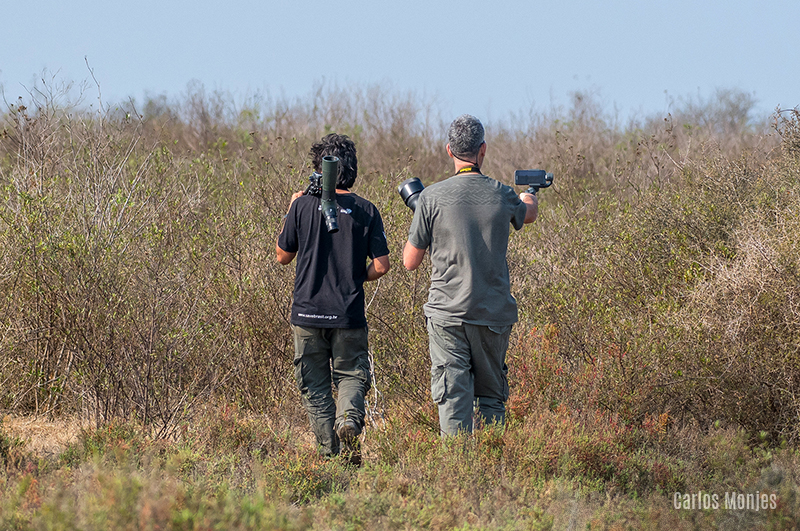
438 383
500 330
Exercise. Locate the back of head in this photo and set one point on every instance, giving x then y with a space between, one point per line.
465 136
337 146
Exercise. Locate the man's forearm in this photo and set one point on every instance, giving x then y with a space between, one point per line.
284 257
377 268
412 257
532 203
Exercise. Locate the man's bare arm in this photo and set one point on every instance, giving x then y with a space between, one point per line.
284 257
412 257
378 267
532 203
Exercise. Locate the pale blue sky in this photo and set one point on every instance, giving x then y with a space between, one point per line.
484 58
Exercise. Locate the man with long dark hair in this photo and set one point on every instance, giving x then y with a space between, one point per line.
328 312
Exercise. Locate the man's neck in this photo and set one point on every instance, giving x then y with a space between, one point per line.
466 168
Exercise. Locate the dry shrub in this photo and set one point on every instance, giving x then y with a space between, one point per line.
681 296
138 278
746 310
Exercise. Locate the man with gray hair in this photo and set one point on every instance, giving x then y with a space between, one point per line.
464 221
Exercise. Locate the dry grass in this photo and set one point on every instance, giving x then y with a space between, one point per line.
45 437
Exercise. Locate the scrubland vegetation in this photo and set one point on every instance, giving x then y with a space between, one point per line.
657 350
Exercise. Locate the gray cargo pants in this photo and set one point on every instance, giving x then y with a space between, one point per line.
338 356
468 372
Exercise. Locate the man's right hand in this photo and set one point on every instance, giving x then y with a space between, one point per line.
294 197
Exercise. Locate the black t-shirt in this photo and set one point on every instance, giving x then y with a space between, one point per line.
331 268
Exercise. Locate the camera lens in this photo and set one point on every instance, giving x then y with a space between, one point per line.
409 190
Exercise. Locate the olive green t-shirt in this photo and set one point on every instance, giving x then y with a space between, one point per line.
464 221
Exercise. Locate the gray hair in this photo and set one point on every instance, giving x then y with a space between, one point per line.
465 135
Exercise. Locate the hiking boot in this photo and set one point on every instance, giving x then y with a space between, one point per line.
350 448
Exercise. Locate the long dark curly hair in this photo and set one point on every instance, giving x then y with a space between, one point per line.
338 146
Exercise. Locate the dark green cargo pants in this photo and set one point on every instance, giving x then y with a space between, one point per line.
332 356
468 373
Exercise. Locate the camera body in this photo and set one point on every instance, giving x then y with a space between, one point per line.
314 185
533 179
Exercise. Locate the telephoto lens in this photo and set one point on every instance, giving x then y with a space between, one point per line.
409 191
330 168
